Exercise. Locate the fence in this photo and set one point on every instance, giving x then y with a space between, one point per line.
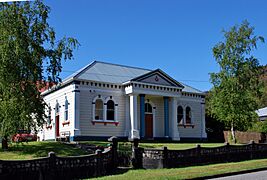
103 162
53 167
165 158
245 137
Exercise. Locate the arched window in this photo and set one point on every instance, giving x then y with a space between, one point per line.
99 109
110 110
180 115
188 115
66 109
148 108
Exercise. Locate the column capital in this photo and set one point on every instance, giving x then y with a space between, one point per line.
142 95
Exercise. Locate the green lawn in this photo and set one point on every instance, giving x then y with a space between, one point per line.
174 145
188 172
41 149
178 146
32 150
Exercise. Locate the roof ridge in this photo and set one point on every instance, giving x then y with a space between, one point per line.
103 62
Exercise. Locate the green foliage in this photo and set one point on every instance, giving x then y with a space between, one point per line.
236 87
29 54
259 126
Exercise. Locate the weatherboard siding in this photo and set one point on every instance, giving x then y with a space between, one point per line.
87 128
189 132
59 95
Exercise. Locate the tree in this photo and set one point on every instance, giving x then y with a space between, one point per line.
29 55
236 87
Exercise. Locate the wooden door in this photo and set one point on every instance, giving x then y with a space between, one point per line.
57 126
149 125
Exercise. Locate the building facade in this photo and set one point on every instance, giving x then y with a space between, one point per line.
105 99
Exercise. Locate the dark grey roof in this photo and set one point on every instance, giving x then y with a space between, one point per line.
107 72
114 73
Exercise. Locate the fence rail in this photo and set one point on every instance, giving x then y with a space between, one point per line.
54 167
165 158
103 162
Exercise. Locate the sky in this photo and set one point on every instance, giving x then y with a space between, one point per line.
176 36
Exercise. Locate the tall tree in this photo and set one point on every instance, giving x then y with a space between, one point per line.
236 86
29 55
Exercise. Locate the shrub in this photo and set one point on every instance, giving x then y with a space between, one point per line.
259 126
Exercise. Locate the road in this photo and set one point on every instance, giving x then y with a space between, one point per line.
261 175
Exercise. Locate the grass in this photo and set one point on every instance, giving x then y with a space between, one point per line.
178 146
174 145
41 149
32 150
189 172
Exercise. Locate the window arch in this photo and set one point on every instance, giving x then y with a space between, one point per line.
99 109
188 117
180 115
110 110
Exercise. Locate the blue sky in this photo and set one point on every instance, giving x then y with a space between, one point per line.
176 36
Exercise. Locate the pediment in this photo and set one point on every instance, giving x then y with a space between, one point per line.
158 77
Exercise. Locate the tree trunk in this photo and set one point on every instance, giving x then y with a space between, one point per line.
4 143
233 133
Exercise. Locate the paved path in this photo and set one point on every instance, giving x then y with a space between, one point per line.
261 175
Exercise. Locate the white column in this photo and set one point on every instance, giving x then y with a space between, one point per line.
133 117
184 115
76 99
127 116
203 122
174 129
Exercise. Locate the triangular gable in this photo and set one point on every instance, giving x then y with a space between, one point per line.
158 77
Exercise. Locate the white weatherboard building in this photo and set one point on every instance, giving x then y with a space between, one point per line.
105 99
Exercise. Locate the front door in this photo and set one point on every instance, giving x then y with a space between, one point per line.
57 126
149 125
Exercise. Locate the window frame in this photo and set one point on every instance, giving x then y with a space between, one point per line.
188 115
181 121
110 110
105 121
66 109
96 109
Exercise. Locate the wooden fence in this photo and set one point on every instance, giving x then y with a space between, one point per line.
53 167
104 162
165 158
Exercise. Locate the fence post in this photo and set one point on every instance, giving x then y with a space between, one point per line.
252 148
198 149
227 146
52 165
137 159
165 157
99 163
114 150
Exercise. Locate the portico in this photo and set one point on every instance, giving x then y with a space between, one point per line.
153 110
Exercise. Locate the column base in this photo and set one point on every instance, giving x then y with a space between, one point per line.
176 138
134 134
